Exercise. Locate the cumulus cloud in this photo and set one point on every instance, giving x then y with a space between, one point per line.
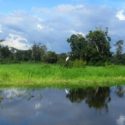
52 26
121 120
40 27
37 106
12 93
16 41
120 15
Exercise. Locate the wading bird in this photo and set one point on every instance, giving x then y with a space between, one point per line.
67 58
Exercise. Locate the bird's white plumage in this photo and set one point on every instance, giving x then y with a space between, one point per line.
66 91
67 58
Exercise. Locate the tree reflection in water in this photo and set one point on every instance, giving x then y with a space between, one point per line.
95 97
120 91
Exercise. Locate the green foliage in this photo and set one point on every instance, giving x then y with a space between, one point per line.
22 55
119 57
38 52
99 46
68 64
78 46
61 59
119 47
94 48
4 53
79 63
51 57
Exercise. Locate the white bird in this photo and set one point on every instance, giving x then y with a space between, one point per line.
67 58
67 91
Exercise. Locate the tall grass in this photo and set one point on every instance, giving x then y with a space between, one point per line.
44 75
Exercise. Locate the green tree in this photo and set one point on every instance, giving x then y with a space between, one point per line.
119 52
95 97
23 55
98 46
51 57
62 58
94 48
38 52
119 47
4 53
78 46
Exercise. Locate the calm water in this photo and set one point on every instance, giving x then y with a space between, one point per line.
90 106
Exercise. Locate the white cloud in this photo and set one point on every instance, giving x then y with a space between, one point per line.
121 120
1 31
76 32
40 27
120 15
12 93
16 41
69 8
52 26
37 106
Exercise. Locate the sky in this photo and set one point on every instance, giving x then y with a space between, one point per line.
51 22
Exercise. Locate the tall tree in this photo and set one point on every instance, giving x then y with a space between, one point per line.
119 48
38 52
93 48
119 52
78 46
97 98
98 46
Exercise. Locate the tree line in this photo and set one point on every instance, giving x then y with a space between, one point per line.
95 48
92 49
37 53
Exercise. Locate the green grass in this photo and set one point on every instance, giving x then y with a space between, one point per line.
43 75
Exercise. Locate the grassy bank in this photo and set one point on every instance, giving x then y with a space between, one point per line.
43 75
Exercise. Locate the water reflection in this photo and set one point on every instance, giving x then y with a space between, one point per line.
120 91
11 94
66 107
95 97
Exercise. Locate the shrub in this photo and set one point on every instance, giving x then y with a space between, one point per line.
68 64
51 57
79 63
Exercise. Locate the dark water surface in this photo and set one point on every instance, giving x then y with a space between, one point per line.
87 106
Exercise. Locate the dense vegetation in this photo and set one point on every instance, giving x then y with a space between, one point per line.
86 53
92 49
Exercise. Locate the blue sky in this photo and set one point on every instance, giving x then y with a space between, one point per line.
51 22
12 5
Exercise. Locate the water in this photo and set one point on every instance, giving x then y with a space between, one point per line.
87 106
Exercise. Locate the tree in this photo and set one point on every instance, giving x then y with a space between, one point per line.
95 97
38 52
94 48
23 55
78 46
51 57
0 49
119 51
62 58
119 47
4 52
98 46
